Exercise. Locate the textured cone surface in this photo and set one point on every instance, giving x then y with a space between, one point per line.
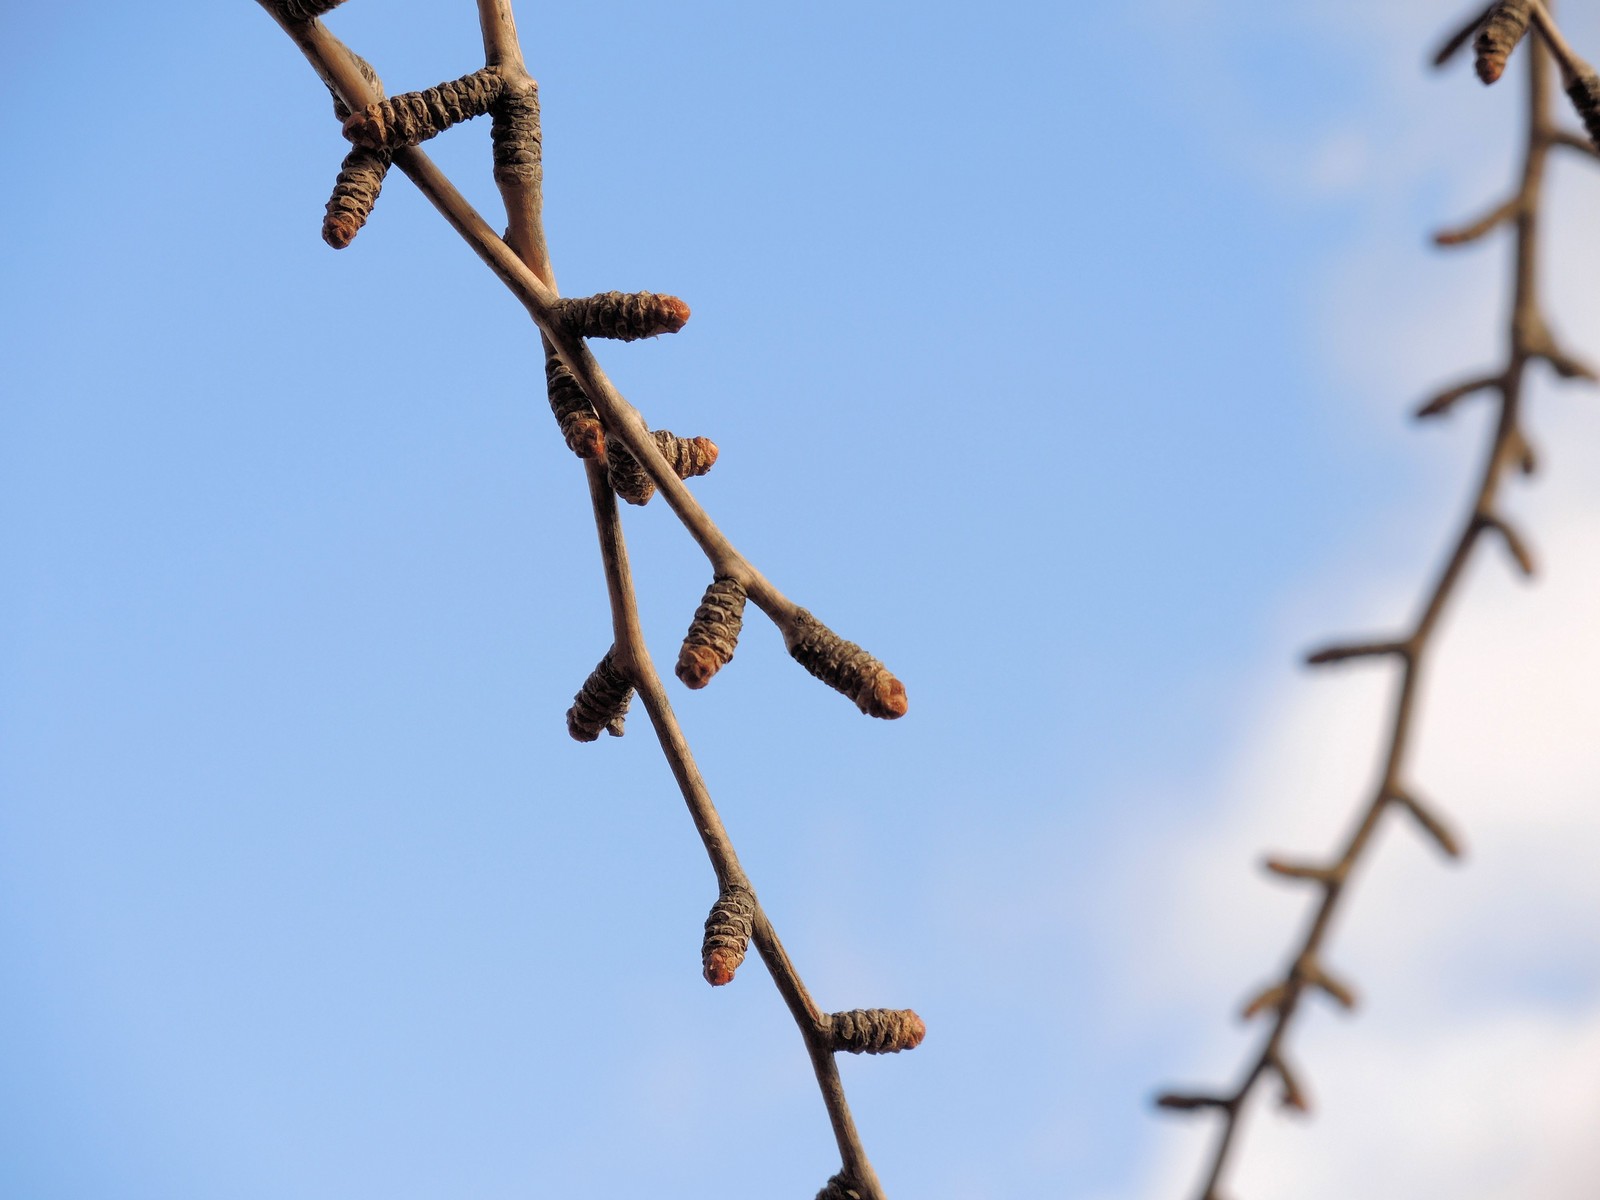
417 116
306 10
1584 92
580 427
727 934
1506 26
601 704
355 192
687 457
713 634
840 1187
847 669
877 1030
517 141
624 316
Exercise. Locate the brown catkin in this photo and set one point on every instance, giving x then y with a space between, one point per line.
576 416
625 316
360 177
517 142
417 116
727 934
601 703
1505 26
840 1187
877 1030
355 191
687 457
1584 92
846 668
306 10
713 634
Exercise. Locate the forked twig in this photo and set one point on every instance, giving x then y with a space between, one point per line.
1529 340
521 261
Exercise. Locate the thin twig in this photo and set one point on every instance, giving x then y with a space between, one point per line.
1528 341
522 262
1566 58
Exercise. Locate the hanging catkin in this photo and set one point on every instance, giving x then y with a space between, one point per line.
840 1187
360 178
517 141
1505 26
727 934
846 668
713 634
687 457
417 116
355 191
601 703
877 1030
625 316
306 10
576 416
1584 92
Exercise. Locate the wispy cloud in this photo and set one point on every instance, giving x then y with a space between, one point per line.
1469 1072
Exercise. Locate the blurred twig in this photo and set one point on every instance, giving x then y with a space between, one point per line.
1529 340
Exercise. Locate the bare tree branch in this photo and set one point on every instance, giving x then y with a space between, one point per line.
521 261
1508 448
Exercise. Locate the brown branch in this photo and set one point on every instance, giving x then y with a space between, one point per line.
337 66
1560 49
1528 341
521 261
1463 35
1493 219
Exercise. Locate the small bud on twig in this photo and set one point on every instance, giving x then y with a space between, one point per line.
517 140
580 427
1569 367
625 316
1188 1102
1268 999
1293 1095
1522 449
1505 26
1471 233
1461 36
1515 546
306 10
415 117
1293 870
369 73
1334 654
1447 398
601 703
688 457
840 1187
727 934
1431 824
713 634
1341 993
876 1030
846 668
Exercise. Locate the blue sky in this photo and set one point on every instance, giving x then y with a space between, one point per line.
1060 358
